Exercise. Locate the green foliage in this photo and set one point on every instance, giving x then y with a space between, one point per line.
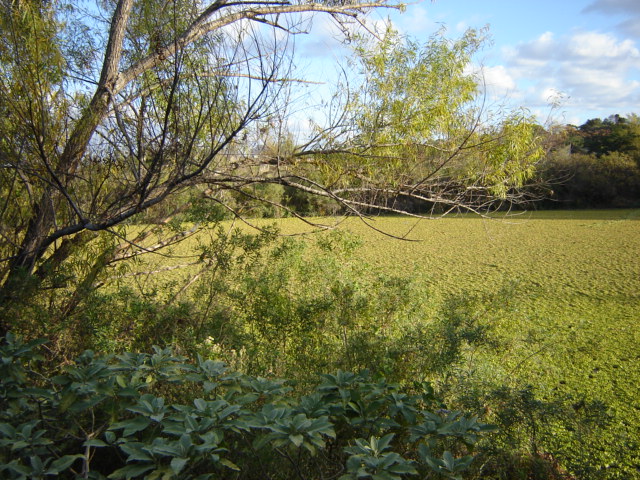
370 460
33 106
565 326
540 435
174 118
613 134
413 92
595 165
294 308
554 353
586 180
417 106
109 417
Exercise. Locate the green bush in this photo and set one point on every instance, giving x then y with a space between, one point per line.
590 181
158 416
295 308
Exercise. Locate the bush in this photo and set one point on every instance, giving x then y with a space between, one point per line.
296 308
158 416
588 181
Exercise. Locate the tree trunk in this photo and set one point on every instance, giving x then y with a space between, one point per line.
38 235
21 267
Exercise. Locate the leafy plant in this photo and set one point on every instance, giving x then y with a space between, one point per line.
110 417
369 459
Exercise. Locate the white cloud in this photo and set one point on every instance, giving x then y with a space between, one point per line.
550 95
541 47
592 45
498 80
592 69
327 38
417 23
322 40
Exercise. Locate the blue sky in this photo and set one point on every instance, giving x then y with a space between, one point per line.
584 55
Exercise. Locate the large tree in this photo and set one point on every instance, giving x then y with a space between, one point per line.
110 110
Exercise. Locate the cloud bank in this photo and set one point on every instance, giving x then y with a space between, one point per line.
627 8
595 71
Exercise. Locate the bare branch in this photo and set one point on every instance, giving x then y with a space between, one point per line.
202 26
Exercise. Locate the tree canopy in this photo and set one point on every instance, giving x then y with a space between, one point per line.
117 109
596 164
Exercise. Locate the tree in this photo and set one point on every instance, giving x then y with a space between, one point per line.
594 165
111 110
613 134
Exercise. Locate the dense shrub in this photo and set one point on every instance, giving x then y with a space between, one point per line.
158 416
587 181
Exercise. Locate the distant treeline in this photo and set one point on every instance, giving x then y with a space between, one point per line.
594 165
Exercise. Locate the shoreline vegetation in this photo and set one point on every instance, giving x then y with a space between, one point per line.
528 321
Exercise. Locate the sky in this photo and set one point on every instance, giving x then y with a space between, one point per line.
566 61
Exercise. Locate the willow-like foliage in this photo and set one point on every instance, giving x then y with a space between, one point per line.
125 112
